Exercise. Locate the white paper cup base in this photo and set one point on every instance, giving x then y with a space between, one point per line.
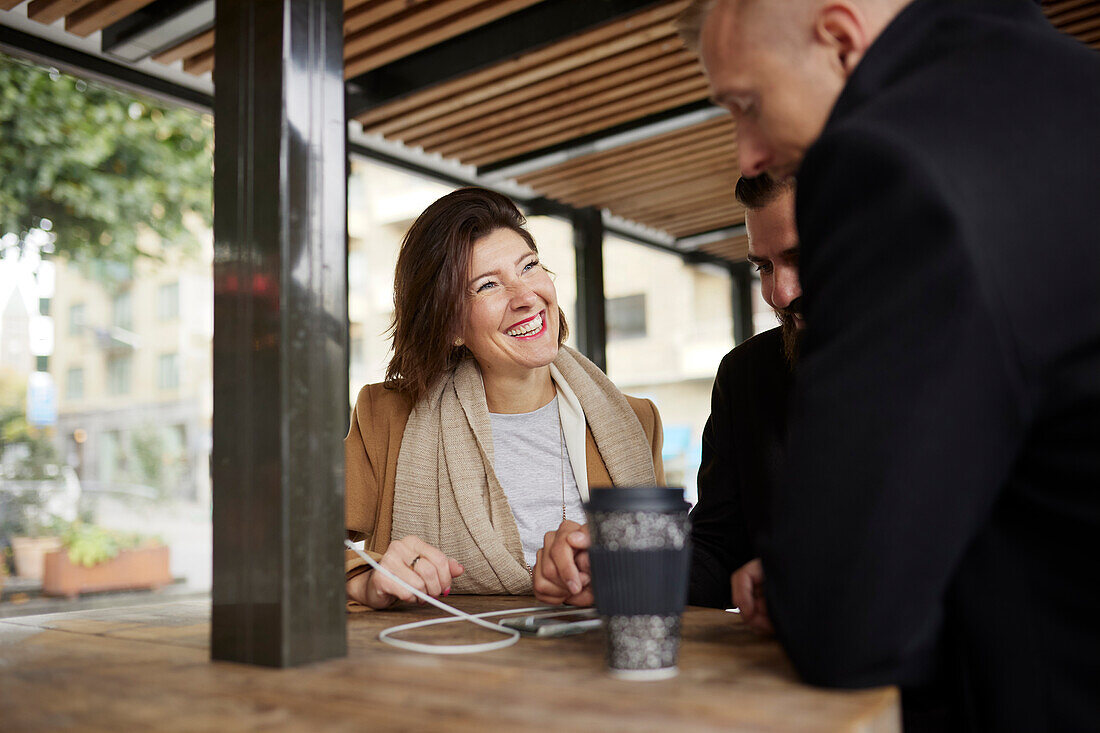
645 675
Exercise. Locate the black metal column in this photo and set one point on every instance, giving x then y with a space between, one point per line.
280 343
741 293
591 326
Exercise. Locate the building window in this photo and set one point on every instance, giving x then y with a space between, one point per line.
168 302
74 384
626 317
76 319
121 311
42 363
118 374
44 306
168 371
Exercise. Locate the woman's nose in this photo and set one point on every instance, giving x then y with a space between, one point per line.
522 295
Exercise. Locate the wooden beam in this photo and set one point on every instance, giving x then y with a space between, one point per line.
200 63
428 36
191 47
607 38
644 166
648 59
569 102
364 13
50 11
100 14
674 95
640 148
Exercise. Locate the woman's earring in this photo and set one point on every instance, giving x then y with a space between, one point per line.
458 341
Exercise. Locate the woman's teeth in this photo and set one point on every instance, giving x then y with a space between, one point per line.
525 328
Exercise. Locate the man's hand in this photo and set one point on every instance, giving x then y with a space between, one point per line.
562 573
748 595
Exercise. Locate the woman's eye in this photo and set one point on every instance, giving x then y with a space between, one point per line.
486 286
530 265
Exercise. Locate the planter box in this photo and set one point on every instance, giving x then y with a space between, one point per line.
145 567
29 554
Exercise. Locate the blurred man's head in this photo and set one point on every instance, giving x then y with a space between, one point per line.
773 249
778 66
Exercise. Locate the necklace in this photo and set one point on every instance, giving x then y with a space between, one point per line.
561 457
561 472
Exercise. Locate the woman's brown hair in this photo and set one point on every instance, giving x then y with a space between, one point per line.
429 285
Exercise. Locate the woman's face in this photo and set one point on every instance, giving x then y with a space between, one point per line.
512 315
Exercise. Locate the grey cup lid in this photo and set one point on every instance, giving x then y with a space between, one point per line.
637 499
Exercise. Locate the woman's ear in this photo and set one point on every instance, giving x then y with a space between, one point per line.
844 29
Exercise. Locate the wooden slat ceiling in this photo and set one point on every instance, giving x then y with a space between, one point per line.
678 182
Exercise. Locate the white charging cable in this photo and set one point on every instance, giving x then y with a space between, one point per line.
512 634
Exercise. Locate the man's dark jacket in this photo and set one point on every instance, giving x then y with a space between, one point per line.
940 514
742 455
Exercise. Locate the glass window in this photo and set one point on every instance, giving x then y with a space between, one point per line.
118 374
44 306
679 321
554 238
625 316
763 317
168 371
74 384
42 363
76 319
168 302
121 312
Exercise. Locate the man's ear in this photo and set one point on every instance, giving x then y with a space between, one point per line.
843 28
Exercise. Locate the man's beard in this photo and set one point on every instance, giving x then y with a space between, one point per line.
792 334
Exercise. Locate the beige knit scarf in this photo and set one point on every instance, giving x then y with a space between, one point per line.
448 494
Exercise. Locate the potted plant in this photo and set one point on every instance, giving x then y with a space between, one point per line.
30 533
93 559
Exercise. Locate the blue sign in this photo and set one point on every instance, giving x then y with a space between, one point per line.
41 399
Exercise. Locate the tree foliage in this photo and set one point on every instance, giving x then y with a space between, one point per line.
97 163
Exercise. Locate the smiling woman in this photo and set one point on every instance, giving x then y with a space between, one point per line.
487 432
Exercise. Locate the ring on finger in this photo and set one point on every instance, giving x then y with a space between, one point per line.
412 565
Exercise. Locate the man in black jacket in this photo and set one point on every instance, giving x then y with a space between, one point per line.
940 514
743 437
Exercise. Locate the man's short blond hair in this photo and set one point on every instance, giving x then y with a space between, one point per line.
689 24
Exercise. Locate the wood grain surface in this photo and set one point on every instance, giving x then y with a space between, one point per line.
148 668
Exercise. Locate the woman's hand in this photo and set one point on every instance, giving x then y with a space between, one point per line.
414 561
562 572
747 583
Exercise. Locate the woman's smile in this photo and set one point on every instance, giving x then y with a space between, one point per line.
529 328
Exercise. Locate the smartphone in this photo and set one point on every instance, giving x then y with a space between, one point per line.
554 623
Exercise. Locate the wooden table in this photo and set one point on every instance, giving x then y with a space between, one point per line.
148 668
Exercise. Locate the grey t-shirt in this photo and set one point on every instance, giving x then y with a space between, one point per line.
529 453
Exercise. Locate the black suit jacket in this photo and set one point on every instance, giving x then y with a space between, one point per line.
742 455
941 510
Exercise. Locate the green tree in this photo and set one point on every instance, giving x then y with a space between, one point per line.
94 164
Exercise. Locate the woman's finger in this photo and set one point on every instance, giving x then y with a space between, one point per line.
439 574
405 573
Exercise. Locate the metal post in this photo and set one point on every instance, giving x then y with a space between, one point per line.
741 293
591 326
280 343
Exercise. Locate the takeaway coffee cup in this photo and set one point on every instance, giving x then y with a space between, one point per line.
640 556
